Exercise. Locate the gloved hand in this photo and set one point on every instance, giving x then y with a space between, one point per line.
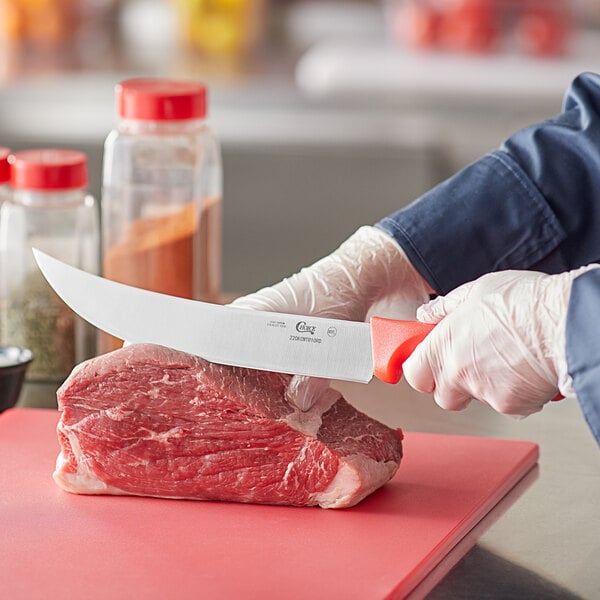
368 270
500 340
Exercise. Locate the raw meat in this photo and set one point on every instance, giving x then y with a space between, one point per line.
151 421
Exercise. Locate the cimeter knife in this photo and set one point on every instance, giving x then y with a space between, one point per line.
285 343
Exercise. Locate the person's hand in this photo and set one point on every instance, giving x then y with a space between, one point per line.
368 270
500 340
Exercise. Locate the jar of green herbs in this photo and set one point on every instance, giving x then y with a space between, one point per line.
48 209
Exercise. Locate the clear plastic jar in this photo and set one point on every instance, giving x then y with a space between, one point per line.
161 193
48 209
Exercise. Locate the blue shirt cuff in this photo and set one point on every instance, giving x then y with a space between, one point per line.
488 217
583 346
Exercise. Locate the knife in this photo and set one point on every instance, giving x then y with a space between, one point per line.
284 343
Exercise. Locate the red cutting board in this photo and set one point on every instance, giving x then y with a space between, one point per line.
58 545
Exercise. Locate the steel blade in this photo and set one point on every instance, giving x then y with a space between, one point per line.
284 343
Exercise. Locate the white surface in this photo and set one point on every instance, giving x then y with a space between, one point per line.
373 68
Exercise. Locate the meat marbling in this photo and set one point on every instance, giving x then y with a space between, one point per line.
147 420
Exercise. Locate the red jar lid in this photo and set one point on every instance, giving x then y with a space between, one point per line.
48 169
4 166
160 100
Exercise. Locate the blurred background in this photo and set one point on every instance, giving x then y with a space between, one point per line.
331 113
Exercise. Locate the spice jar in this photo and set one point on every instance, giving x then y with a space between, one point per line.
50 210
161 193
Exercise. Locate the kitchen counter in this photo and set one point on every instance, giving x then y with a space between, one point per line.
542 540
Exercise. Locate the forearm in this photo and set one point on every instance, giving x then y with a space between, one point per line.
533 204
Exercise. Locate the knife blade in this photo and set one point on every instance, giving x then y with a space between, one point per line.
280 342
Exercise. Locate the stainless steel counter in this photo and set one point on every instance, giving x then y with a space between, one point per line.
543 540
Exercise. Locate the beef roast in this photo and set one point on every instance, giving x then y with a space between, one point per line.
151 421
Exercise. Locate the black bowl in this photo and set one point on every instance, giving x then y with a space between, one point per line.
13 365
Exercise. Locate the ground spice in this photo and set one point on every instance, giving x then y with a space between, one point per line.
176 254
34 317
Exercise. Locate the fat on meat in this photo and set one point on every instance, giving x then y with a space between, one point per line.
151 421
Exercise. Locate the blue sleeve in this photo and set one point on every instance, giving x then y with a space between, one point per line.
583 345
532 204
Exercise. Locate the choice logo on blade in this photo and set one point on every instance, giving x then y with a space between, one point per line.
304 327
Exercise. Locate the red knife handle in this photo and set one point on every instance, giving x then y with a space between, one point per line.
392 343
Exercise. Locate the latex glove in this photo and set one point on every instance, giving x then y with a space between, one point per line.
500 340
368 271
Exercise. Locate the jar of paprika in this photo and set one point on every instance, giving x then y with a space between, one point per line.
161 192
48 209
